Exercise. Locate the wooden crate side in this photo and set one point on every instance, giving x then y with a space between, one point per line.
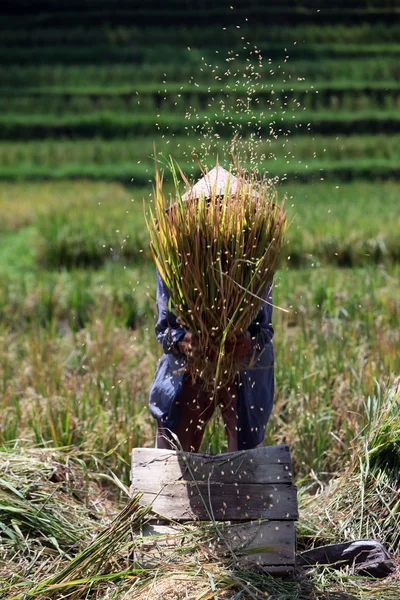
283 571
221 502
271 464
261 543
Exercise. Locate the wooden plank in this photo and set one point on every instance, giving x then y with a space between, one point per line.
271 464
261 543
192 501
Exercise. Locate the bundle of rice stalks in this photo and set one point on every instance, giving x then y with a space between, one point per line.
216 249
365 501
108 558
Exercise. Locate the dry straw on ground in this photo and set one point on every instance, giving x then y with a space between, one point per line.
364 502
217 248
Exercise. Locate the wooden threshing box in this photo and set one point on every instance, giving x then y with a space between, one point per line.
250 490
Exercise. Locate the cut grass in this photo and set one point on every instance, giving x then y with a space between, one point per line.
113 561
363 502
51 506
47 496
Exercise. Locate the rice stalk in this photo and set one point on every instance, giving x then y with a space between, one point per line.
364 501
50 506
217 254
46 499
99 561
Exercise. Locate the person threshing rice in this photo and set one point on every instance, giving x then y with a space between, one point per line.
216 251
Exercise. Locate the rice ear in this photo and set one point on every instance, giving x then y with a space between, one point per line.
218 254
183 176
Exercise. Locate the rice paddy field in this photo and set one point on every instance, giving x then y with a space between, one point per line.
91 94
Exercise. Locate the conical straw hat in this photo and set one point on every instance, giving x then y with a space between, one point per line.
214 183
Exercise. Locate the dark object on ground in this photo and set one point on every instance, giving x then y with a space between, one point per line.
364 557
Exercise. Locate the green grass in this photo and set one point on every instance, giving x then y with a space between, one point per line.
79 334
70 336
81 87
363 33
24 204
80 224
130 161
374 69
56 153
320 235
181 98
17 250
321 379
106 54
116 125
139 174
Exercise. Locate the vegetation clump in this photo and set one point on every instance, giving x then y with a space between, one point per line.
364 501
217 251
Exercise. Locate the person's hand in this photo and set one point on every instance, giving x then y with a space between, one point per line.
188 344
240 346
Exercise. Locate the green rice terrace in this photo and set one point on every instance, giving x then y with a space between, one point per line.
93 94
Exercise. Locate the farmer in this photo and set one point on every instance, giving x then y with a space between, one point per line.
183 407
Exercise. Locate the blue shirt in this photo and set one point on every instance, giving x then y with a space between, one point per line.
255 385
